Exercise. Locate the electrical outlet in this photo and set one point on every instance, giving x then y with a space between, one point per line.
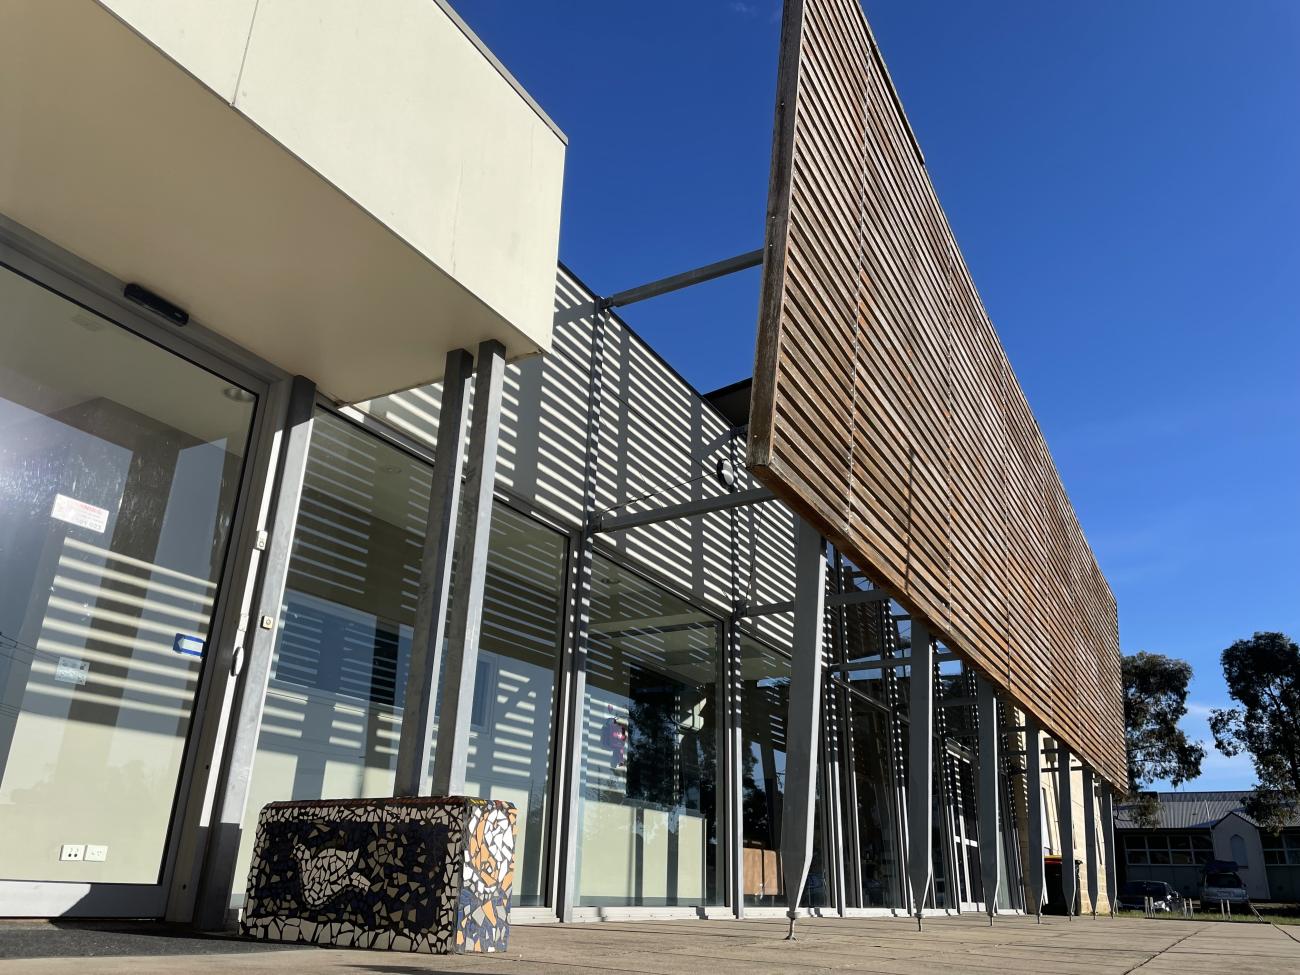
72 851
96 854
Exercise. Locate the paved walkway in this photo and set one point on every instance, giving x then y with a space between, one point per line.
967 945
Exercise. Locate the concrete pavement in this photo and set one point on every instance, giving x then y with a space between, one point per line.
887 946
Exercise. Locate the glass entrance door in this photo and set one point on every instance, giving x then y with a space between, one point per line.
119 471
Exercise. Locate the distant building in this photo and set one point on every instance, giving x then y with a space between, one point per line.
1194 828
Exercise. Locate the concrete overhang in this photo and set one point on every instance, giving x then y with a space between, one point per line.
348 190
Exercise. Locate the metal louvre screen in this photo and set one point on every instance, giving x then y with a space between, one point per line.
886 413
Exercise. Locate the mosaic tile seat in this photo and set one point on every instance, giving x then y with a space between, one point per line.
423 874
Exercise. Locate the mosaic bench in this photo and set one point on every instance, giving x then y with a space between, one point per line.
420 874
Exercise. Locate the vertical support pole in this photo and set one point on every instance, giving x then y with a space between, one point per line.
849 828
473 532
830 807
253 653
1014 860
897 765
947 799
418 707
1065 820
920 766
990 827
1090 834
1037 891
799 797
1108 838
733 840
571 705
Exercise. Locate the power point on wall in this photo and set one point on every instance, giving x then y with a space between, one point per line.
96 854
72 851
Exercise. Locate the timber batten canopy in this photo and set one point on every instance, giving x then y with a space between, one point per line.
886 412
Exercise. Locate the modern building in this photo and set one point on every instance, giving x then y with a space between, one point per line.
1192 829
242 248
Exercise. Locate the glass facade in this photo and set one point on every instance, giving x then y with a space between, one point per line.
647 807
120 464
764 699
879 865
334 704
764 702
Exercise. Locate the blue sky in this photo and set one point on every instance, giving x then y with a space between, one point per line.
1124 180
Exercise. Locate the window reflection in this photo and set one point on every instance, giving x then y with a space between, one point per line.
873 780
648 794
334 704
120 463
764 704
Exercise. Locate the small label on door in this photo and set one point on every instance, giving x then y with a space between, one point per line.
70 670
79 513
191 646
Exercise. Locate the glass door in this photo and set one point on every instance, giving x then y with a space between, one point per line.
119 471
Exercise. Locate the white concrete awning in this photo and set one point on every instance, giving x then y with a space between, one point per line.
348 190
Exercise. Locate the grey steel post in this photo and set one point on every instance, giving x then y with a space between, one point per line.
920 771
990 829
734 803
473 532
1108 837
418 708
798 800
1090 834
1065 821
848 808
571 704
1037 891
251 666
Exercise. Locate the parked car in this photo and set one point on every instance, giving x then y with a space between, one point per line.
1133 895
1222 885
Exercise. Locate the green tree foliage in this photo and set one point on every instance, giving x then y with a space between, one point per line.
1155 699
1263 677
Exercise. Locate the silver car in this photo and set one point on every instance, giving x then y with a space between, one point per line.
1222 885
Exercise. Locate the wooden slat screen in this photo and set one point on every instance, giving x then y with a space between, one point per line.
884 408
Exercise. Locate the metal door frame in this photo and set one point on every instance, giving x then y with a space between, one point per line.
50 267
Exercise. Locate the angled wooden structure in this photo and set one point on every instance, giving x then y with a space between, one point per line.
885 410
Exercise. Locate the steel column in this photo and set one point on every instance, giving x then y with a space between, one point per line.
416 742
848 811
1037 888
920 781
990 831
473 531
571 703
798 799
1065 824
733 842
253 653
1090 834
1108 837
733 805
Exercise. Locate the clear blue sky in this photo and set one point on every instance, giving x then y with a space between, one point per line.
1124 180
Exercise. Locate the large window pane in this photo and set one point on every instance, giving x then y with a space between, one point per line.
647 806
514 693
873 782
764 702
119 467
764 705
334 704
